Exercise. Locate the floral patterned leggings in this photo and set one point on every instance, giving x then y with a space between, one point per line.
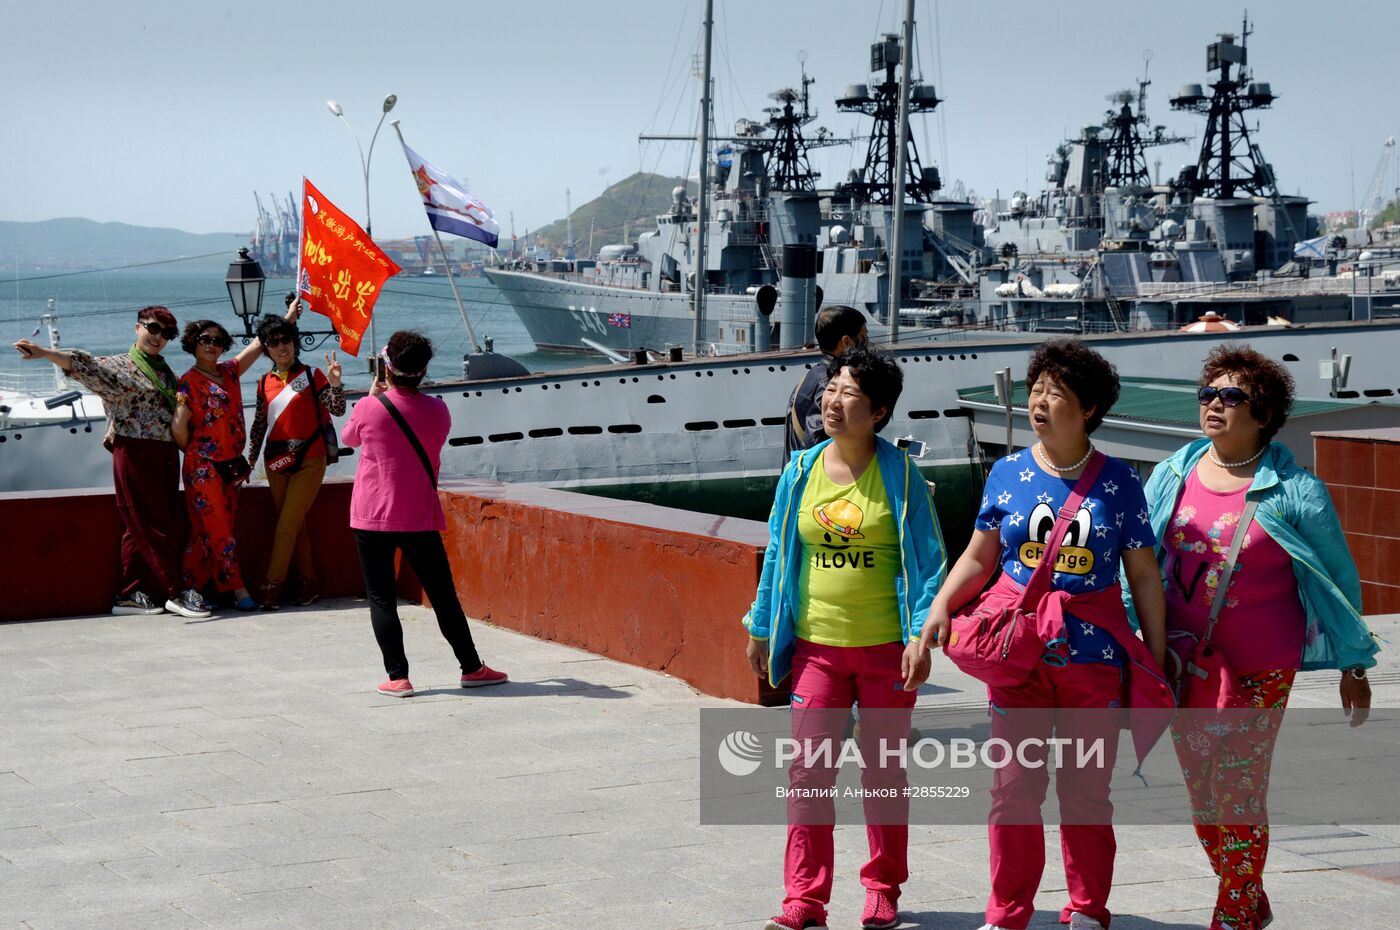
1227 776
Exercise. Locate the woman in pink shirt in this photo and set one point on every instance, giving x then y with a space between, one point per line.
394 506
1291 602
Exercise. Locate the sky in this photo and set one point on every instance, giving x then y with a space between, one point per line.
172 113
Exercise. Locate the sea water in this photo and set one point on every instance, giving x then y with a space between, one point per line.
97 311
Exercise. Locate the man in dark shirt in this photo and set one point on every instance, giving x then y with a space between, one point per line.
839 329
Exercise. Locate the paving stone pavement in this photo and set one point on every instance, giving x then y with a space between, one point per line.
242 773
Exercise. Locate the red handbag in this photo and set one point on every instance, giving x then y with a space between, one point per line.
1000 645
1200 676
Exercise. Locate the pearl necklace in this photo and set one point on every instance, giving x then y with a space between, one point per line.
1210 451
1045 460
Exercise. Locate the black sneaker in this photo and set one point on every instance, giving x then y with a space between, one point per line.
190 604
137 604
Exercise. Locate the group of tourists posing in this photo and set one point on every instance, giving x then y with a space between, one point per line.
1140 568
180 557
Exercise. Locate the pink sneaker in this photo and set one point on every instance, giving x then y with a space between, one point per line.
486 675
397 687
879 913
797 917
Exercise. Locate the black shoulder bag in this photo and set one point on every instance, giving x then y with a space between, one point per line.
412 437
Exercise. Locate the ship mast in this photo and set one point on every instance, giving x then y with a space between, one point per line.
882 102
1229 162
569 225
1125 153
901 152
703 204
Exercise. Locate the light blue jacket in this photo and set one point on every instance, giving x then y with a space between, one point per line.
924 563
1297 513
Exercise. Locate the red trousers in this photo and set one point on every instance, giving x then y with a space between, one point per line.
823 678
1015 830
146 477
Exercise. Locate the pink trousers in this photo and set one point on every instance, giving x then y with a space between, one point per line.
833 677
1014 829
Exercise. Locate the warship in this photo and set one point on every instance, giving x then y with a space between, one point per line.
773 241
706 431
1103 248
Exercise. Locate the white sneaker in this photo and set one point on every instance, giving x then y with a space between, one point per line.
1078 921
190 604
992 927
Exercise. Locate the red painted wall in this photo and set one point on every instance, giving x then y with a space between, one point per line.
659 588
655 587
62 550
1362 471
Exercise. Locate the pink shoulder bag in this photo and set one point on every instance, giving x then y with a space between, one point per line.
1000 646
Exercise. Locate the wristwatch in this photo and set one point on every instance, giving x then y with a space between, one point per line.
1356 672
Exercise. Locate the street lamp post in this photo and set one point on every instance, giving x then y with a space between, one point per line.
365 158
245 280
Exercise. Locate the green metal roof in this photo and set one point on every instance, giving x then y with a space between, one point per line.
1152 400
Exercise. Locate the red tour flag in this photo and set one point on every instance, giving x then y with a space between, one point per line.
342 270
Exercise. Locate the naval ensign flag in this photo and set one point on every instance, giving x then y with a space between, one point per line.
450 208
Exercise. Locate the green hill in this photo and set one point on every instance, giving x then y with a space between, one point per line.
633 202
79 243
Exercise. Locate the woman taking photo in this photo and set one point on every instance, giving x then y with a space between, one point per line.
394 506
1096 663
851 520
208 425
1292 601
295 404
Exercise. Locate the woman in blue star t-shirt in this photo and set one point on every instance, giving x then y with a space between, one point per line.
1020 502
1097 663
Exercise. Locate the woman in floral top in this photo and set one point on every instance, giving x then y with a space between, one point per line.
138 393
208 425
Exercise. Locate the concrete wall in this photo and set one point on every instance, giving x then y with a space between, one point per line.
1362 471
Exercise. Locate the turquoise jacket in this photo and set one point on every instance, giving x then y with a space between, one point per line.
924 562
1297 513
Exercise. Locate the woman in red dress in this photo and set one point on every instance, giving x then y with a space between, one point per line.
208 425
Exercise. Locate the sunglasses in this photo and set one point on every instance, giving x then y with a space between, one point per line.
165 332
1229 396
205 339
276 341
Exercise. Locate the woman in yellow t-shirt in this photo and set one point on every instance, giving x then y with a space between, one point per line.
854 560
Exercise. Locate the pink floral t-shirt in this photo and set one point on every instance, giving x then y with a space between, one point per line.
1262 623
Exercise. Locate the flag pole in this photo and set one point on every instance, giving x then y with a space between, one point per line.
301 252
476 347
442 250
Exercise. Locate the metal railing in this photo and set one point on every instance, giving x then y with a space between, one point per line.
38 382
1275 287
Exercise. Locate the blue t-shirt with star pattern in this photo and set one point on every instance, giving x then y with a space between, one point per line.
1021 500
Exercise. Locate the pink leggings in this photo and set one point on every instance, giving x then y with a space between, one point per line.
825 677
1014 828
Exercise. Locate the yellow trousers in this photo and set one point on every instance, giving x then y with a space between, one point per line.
294 494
